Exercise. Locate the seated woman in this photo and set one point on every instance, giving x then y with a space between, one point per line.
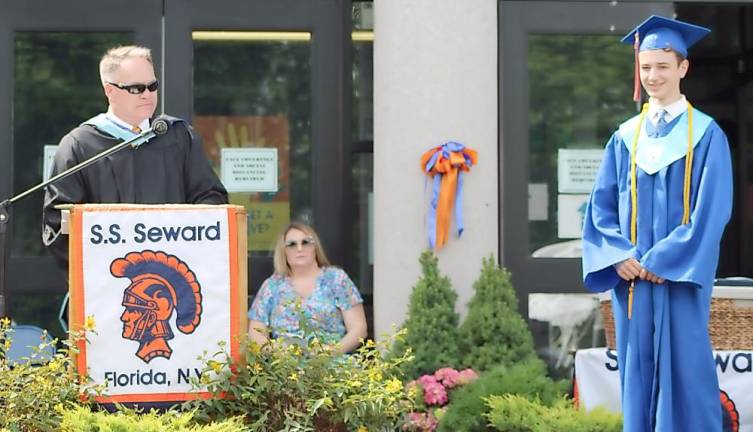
329 300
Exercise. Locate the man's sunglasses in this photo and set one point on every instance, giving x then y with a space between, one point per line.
137 88
292 244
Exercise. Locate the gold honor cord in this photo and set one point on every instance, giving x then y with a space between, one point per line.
634 188
634 200
688 169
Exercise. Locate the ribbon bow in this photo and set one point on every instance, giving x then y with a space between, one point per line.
446 164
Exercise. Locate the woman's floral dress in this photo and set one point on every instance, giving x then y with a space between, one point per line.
275 305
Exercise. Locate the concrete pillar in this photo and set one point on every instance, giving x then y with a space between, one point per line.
435 80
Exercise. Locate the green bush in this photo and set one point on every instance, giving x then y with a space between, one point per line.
515 413
467 407
432 322
307 387
33 392
494 333
82 419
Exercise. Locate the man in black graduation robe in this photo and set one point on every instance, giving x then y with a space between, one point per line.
171 168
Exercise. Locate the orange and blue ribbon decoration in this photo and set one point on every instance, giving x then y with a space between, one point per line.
446 164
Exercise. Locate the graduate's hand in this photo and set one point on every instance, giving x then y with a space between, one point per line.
651 277
629 269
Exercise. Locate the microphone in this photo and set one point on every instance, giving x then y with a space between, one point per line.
160 127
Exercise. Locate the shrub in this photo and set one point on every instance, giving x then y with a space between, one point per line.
32 393
515 413
307 387
432 322
494 333
467 406
82 419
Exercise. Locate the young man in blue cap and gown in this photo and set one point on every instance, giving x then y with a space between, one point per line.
651 234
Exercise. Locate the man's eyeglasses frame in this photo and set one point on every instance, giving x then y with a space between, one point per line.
137 89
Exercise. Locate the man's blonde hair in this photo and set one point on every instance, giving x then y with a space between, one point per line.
282 267
114 57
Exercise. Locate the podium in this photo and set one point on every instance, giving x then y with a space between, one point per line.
155 287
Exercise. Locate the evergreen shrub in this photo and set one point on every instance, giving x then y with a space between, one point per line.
82 419
467 406
494 333
432 323
515 413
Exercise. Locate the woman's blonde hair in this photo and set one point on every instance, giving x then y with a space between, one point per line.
282 267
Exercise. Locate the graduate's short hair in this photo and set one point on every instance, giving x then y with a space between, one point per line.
678 55
282 267
114 57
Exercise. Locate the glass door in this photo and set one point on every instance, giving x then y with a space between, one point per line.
719 83
264 83
566 84
49 83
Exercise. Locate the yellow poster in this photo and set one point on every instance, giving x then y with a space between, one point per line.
268 212
265 221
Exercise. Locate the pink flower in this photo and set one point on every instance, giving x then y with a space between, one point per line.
414 419
466 376
425 380
447 376
435 394
421 422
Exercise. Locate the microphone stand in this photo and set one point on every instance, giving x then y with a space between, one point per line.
159 127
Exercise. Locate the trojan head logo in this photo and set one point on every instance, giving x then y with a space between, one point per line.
160 284
730 415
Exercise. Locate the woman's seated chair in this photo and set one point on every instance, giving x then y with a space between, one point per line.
25 341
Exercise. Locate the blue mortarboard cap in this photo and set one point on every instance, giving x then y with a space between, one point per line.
658 32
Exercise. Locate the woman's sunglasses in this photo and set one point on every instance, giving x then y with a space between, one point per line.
292 244
137 88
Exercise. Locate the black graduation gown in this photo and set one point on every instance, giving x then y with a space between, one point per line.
169 169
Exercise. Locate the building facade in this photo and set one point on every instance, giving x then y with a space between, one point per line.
290 77
350 94
537 87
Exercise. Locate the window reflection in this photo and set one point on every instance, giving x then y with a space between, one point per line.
252 90
580 91
56 87
563 323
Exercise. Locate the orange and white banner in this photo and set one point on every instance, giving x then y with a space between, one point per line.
159 284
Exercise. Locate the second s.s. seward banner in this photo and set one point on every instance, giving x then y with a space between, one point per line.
163 286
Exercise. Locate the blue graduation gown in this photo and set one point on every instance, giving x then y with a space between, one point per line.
667 371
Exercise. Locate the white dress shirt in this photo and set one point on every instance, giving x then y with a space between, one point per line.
144 125
673 110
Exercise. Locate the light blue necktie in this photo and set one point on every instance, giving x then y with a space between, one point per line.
661 122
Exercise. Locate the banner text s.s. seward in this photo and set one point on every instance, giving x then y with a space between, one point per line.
142 233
